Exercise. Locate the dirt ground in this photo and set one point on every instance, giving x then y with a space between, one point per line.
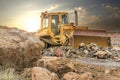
21 51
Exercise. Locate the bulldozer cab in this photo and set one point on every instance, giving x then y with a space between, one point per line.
53 21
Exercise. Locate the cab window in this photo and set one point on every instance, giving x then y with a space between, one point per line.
64 19
45 22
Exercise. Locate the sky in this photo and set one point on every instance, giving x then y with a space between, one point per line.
95 14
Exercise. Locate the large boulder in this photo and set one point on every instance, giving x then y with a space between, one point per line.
71 76
57 65
86 76
102 54
39 73
76 76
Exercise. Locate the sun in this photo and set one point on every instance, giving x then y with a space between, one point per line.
32 24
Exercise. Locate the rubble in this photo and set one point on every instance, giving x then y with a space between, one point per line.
90 50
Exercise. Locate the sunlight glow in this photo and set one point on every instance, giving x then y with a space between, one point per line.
30 20
31 24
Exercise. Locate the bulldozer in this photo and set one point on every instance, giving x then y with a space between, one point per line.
56 30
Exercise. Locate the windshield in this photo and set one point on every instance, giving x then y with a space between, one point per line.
55 24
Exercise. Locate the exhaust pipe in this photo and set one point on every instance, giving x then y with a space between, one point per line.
76 18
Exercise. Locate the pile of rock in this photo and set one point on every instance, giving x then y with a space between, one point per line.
39 73
18 48
89 50
54 68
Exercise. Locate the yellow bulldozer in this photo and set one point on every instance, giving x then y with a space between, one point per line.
57 30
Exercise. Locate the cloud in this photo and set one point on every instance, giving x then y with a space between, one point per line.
52 7
84 17
82 12
110 7
78 9
92 18
114 11
109 22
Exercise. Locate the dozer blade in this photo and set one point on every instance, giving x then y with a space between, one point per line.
100 37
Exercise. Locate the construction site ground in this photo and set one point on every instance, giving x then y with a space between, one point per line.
23 57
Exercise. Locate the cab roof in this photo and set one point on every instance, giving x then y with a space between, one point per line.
54 12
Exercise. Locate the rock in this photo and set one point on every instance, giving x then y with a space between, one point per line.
88 47
107 71
9 74
86 76
39 73
81 45
67 54
117 59
94 48
116 47
108 52
27 73
72 67
86 52
45 60
71 76
116 72
57 65
102 54
47 53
